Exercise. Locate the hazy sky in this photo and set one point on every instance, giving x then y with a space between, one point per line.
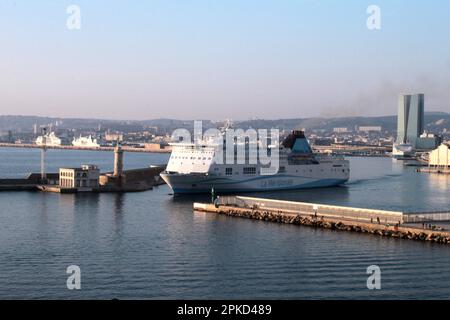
214 59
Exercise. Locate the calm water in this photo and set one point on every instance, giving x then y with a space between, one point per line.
152 245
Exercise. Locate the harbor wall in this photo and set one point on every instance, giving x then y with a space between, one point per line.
17 185
439 170
131 180
332 222
331 211
63 147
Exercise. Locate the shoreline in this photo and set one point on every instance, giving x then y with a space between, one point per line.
125 148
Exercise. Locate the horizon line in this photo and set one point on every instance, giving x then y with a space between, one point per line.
241 120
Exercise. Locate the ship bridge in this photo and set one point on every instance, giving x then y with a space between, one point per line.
190 158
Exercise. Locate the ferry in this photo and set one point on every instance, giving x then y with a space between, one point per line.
192 169
85 142
49 139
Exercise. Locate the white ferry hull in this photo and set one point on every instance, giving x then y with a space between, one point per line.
193 169
201 183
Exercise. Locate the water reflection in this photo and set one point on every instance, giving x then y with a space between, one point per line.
66 208
324 195
43 209
152 245
86 213
119 200
332 195
439 181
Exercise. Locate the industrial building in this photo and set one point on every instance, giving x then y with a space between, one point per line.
85 178
440 157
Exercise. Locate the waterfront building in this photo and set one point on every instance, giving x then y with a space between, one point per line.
85 178
51 178
428 141
157 147
410 118
10 137
440 157
113 136
411 121
369 129
340 130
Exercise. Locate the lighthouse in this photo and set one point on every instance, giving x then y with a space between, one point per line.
118 160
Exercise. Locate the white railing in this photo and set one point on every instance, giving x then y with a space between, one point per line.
413 217
319 210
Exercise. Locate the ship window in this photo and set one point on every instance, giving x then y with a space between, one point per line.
228 171
282 169
249 170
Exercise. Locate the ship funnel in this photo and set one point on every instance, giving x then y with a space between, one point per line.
297 142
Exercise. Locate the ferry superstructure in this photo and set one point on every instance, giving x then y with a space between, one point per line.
192 169
49 139
86 142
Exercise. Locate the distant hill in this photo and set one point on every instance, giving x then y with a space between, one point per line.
435 121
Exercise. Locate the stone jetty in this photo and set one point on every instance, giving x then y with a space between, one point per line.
316 221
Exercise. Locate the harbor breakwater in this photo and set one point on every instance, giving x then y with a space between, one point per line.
67 147
312 220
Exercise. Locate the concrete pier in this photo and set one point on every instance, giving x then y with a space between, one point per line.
434 170
325 216
133 180
16 185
